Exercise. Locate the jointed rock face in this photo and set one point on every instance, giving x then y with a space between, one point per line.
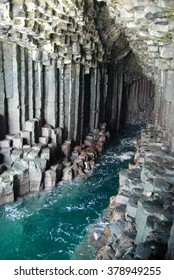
141 215
68 70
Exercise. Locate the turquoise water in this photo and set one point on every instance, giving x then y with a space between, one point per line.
54 225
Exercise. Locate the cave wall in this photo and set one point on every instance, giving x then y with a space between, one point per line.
139 101
66 73
47 50
149 29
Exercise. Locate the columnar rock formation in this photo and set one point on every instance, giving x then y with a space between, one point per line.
67 66
149 28
57 83
54 67
141 215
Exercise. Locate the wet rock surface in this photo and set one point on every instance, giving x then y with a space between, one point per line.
143 229
35 167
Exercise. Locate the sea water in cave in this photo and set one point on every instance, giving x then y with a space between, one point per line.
54 225
66 67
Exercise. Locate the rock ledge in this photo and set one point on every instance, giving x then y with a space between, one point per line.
141 220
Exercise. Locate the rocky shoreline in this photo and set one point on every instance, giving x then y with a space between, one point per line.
141 216
36 159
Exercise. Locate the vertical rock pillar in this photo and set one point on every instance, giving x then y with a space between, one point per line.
11 86
23 89
81 101
97 103
68 99
120 92
92 99
114 99
167 97
61 97
103 93
76 107
30 86
38 89
51 95
2 96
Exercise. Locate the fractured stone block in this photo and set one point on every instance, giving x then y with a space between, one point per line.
122 199
45 154
153 48
16 154
43 164
21 182
33 127
54 136
27 136
44 140
66 148
18 142
5 156
46 131
146 207
67 174
50 179
26 151
53 152
5 143
33 154
6 189
131 208
58 132
167 52
58 169
35 176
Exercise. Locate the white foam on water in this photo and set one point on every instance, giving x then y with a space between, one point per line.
74 208
125 156
59 238
96 236
12 213
102 224
128 142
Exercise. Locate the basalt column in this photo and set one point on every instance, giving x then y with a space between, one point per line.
76 88
51 94
86 105
68 99
38 89
30 81
71 96
103 93
95 89
139 101
165 105
3 117
82 105
61 97
23 86
11 86
71 89
74 104
93 98
114 97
